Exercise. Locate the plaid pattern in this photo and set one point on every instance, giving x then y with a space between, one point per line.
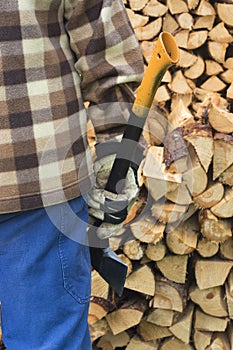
54 55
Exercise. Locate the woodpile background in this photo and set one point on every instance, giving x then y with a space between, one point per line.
179 289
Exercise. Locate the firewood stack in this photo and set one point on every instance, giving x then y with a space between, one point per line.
179 246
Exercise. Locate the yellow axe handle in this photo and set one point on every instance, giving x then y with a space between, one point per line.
165 54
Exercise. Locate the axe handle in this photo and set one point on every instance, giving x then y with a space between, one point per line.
164 55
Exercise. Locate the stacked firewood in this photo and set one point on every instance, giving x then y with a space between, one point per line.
177 240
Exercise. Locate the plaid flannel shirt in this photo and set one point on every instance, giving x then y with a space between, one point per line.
54 56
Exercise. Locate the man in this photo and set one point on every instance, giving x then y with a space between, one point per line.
54 56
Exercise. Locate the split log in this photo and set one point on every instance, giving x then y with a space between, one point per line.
213 84
168 212
196 39
161 317
210 300
98 309
169 295
220 33
154 8
111 342
211 196
229 294
98 329
196 70
137 5
127 316
146 229
201 138
169 23
175 344
136 19
213 68
149 331
141 280
179 117
136 343
177 6
209 323
223 153
220 341
183 238
201 339
226 249
174 267
204 22
213 228
227 176
217 50
225 13
211 273
182 328
149 31
220 119
205 9
224 208
196 177
179 84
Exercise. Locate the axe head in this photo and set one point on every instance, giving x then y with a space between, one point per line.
110 267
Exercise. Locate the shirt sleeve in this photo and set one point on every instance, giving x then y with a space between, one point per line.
107 58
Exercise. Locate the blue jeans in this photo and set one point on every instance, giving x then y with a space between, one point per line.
45 278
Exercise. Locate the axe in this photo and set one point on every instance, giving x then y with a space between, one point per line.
105 261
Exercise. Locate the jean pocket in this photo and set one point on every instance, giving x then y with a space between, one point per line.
76 268
74 250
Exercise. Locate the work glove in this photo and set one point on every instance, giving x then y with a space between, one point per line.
105 205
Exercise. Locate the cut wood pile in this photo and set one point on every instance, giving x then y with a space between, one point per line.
179 247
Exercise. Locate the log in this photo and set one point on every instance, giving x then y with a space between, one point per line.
227 176
136 19
225 13
147 230
201 339
204 22
168 212
161 317
111 342
196 177
211 273
226 249
220 119
213 84
169 23
224 208
149 31
177 6
137 5
217 50
183 238
169 295
196 39
223 153
211 196
133 249
212 68
220 33
201 138
149 331
141 280
154 8
209 323
213 228
175 344
174 267
98 309
136 343
210 300
156 252
98 329
207 248
182 328
179 84
196 70
205 9
127 316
